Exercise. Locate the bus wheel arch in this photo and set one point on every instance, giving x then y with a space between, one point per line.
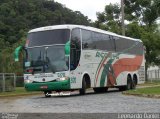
86 83
88 80
128 85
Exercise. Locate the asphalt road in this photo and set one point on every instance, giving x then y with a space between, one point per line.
110 102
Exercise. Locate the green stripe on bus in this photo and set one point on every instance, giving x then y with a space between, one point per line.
105 72
51 86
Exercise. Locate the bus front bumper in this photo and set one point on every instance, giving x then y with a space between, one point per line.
48 86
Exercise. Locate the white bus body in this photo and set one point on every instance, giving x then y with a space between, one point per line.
98 59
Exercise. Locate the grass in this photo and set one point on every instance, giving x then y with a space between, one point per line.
19 91
149 83
152 92
148 90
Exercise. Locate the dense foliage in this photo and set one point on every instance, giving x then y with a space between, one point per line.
18 16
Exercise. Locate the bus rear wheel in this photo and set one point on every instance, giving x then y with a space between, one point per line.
129 83
82 91
128 86
133 85
134 82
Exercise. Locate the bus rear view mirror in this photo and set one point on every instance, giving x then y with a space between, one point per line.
67 48
17 52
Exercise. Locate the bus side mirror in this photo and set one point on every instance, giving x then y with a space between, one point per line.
67 48
16 53
144 48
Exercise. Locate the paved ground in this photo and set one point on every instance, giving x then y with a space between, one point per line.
110 102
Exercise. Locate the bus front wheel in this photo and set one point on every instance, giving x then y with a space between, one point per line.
82 91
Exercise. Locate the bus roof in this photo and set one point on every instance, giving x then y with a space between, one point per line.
70 26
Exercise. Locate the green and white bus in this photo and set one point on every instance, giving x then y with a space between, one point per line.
75 57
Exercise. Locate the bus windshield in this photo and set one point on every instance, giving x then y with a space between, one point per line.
45 51
47 59
56 36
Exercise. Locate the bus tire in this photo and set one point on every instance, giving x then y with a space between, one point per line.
46 94
82 91
129 83
134 82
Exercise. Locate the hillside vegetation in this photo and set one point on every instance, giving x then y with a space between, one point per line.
19 16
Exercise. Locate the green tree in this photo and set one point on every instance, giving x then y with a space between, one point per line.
143 15
142 11
109 19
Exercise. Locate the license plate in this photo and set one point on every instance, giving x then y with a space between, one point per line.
44 87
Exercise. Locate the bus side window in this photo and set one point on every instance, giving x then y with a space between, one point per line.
75 49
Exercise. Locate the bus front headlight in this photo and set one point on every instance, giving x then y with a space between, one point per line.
28 81
62 78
